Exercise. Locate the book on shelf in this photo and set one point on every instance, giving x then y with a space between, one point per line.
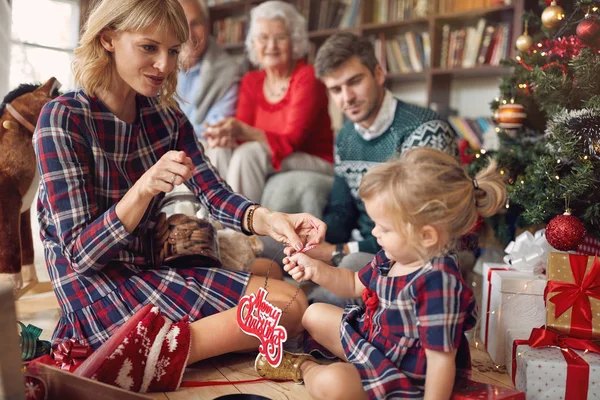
473 130
230 30
331 14
403 53
450 6
486 43
398 10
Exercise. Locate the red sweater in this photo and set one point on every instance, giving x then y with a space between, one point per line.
298 122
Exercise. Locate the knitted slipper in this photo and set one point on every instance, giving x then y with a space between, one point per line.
288 369
146 354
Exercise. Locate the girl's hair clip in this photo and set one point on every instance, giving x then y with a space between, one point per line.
475 184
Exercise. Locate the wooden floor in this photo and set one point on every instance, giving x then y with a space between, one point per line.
39 307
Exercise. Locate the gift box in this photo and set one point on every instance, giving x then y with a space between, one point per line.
573 295
553 369
60 384
511 299
468 389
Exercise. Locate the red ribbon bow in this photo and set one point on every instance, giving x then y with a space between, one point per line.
578 370
70 353
577 295
371 302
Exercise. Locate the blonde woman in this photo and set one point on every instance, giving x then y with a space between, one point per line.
107 153
408 339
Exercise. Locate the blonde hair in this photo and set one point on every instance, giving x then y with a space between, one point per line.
429 187
92 64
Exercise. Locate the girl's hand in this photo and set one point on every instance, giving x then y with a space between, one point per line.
301 267
172 169
290 228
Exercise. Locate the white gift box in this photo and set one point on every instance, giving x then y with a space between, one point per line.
542 372
511 300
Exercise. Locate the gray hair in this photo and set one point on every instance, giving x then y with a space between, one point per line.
341 47
203 8
293 20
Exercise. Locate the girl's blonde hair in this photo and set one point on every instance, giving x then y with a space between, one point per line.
429 187
92 64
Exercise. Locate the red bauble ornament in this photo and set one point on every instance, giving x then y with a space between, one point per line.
565 232
589 29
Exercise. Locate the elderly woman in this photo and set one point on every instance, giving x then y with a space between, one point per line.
282 119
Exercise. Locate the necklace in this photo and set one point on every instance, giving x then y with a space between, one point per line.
278 90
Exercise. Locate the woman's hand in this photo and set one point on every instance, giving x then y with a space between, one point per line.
172 169
295 230
301 267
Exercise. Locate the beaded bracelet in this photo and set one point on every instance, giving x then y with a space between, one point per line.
250 219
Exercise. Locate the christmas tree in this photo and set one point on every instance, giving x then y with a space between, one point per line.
548 117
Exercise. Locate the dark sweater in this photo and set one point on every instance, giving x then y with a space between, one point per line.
413 126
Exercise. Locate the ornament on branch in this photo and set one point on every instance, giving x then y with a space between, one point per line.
565 232
589 29
510 115
553 16
524 42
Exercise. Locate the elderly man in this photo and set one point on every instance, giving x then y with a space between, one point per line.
208 82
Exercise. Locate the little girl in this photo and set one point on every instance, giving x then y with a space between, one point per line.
408 340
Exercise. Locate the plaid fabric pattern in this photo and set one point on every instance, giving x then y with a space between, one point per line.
428 309
88 159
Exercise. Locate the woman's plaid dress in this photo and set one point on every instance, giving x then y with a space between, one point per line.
88 159
386 338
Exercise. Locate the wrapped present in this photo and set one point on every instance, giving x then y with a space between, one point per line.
528 252
546 365
468 389
590 246
573 295
511 299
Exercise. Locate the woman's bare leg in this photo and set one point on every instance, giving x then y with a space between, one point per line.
219 333
264 266
323 322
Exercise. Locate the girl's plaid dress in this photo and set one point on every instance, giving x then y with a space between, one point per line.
88 159
386 338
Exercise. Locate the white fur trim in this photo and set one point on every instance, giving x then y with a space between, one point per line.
172 338
153 354
187 357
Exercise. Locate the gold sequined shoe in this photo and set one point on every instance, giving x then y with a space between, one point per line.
288 369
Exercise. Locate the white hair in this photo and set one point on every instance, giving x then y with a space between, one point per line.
293 20
203 8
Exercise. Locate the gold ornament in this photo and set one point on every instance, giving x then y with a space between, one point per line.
511 116
553 15
524 42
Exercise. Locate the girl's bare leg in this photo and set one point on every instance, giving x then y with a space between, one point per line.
219 333
262 266
323 322
332 382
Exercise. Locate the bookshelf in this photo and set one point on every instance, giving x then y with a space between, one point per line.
465 20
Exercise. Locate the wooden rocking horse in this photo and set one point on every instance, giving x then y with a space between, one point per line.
19 179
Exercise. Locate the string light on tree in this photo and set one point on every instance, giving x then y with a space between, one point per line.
553 16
